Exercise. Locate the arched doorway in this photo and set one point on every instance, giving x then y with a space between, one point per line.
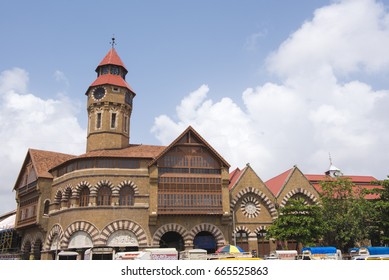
205 240
37 249
26 251
242 240
263 243
172 239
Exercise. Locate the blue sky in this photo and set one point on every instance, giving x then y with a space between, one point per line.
270 83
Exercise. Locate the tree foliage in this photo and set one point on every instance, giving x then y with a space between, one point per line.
379 229
297 221
346 213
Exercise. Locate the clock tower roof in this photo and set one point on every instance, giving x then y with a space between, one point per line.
110 80
112 58
110 61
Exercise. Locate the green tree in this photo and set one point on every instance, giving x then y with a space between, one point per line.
346 213
379 228
297 221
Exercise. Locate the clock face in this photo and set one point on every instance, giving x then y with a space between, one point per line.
99 93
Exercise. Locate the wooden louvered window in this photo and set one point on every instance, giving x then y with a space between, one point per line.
104 196
126 196
180 195
84 196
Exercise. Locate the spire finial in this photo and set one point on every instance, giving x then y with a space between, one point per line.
329 154
113 43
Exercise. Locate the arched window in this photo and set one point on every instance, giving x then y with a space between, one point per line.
84 196
104 196
126 196
68 194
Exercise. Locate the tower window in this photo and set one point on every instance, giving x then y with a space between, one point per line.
125 124
113 120
98 120
104 70
114 70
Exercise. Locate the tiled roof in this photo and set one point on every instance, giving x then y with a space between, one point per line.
276 183
234 176
43 161
110 79
132 151
359 181
112 58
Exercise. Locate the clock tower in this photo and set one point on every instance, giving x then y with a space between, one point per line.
109 105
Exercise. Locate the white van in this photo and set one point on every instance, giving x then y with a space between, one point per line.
148 254
194 254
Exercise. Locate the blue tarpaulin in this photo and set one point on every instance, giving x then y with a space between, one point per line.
320 250
377 250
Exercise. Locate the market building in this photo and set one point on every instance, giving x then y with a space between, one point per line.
120 196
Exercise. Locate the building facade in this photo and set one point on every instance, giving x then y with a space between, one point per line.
120 196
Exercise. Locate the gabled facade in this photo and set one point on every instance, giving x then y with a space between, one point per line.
254 210
32 188
292 184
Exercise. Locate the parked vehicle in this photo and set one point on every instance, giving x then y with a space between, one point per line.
283 255
372 253
149 254
194 254
372 250
321 253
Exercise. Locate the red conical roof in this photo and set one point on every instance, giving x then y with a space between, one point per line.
112 58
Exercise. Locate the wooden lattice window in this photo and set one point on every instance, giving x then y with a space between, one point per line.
104 196
84 196
126 196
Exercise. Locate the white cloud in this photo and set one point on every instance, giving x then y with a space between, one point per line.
29 121
60 76
348 36
313 110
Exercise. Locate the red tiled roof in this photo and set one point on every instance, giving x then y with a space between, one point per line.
234 176
275 184
112 58
132 151
116 80
359 181
43 161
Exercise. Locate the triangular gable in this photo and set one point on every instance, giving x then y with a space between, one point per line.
27 172
295 171
239 174
190 136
